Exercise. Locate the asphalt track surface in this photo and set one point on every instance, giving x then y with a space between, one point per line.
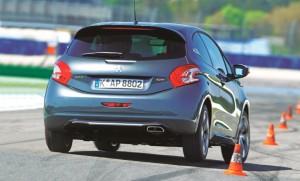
24 155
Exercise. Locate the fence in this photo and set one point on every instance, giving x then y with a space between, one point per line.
57 12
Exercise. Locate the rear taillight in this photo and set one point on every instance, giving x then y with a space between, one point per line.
116 104
61 72
184 75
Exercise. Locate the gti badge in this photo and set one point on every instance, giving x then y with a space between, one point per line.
118 68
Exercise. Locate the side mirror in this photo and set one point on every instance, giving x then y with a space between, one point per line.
240 71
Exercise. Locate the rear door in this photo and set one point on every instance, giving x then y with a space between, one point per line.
227 114
124 60
202 57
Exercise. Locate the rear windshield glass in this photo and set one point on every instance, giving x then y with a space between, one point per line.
127 43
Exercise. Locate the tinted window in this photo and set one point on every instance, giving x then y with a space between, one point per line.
214 53
139 44
200 50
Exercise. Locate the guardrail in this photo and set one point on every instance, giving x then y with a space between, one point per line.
27 47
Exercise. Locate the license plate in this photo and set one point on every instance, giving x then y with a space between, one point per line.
107 83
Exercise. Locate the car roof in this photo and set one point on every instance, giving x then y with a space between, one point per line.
182 29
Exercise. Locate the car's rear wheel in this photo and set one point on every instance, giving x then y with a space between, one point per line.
243 138
58 142
108 146
195 147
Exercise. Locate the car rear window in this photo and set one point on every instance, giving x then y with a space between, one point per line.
127 43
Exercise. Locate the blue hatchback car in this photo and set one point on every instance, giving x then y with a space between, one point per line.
159 84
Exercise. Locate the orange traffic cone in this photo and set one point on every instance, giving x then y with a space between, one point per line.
270 139
298 108
287 116
236 165
283 124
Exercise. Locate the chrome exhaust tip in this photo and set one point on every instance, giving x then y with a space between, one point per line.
155 129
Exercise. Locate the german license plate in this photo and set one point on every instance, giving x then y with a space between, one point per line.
109 83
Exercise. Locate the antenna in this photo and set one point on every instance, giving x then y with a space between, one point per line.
134 13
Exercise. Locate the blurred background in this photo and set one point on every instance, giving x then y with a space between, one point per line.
264 34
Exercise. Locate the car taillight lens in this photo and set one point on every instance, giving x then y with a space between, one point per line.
61 72
116 104
184 75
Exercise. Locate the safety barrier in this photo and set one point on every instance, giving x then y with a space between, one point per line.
27 47
265 61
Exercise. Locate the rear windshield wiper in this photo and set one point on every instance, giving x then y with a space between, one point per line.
103 54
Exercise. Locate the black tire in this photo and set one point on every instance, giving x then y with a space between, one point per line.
58 142
107 146
243 138
195 147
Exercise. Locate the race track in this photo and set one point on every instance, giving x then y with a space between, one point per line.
24 155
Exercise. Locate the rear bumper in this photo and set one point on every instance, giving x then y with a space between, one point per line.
175 109
60 122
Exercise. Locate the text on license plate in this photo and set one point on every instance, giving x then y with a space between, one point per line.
107 83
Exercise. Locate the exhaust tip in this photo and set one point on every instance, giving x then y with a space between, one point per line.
155 129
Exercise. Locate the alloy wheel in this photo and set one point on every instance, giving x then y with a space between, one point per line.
205 132
244 137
